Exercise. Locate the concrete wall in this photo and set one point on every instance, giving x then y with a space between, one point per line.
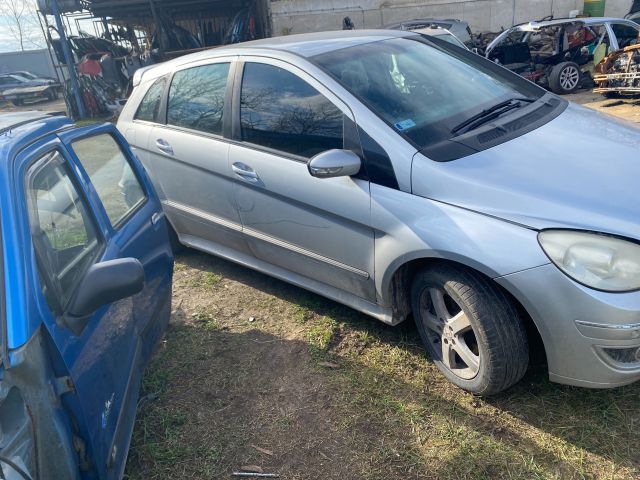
617 8
300 16
35 61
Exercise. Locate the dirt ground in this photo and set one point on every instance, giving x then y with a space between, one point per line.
259 374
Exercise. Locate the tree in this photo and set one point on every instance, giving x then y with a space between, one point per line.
20 19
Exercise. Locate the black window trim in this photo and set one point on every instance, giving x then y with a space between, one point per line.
29 171
140 204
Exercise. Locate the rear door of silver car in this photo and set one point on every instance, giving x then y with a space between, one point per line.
190 156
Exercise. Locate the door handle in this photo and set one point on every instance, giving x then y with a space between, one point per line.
245 171
156 217
164 146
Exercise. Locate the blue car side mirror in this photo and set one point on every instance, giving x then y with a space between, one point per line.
104 283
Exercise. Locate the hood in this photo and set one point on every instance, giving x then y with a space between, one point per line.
581 170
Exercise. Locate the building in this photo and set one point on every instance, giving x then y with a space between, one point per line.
34 61
300 16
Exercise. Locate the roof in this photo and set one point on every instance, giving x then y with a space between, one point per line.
560 21
20 128
303 45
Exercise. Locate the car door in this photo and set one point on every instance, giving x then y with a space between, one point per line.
317 228
188 158
89 202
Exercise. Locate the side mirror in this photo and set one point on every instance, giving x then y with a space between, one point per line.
103 283
334 163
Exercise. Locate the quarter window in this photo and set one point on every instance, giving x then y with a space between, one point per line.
111 174
196 98
281 111
64 234
149 108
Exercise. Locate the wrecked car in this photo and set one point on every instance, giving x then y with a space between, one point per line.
85 295
561 55
16 88
619 73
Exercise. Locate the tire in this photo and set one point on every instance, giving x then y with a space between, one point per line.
565 78
18 102
483 347
52 94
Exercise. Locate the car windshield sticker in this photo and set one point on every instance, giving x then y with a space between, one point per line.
405 124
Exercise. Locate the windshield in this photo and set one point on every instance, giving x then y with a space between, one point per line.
423 87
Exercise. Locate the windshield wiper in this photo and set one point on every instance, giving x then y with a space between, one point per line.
490 113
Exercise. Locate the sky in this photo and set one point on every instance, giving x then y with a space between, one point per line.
8 43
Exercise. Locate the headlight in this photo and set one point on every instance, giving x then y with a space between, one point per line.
597 261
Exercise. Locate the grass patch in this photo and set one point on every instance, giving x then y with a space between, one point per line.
321 334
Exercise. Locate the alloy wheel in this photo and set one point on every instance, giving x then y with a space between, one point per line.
569 78
451 332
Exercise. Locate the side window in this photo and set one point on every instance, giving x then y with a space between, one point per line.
64 234
150 106
196 98
626 35
111 174
281 111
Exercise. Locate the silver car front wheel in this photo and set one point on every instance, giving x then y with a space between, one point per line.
470 328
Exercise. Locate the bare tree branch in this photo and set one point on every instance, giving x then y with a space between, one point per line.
20 19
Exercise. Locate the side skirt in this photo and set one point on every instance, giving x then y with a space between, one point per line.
376 311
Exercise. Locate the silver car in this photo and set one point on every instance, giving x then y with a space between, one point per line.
403 176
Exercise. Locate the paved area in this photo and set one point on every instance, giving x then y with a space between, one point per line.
624 107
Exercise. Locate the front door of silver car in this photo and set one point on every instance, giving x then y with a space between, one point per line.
319 228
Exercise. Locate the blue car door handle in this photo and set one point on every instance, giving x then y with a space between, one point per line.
164 146
156 217
245 171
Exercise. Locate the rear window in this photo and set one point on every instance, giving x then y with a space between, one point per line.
149 108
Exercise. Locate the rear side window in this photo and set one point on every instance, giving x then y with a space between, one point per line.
281 111
64 234
149 108
111 174
196 98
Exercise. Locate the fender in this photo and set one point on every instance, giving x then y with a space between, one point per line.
421 228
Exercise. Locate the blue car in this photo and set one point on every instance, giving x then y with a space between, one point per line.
85 295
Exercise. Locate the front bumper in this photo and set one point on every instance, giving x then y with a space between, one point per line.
591 338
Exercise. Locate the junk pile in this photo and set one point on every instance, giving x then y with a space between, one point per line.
480 41
105 70
619 73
